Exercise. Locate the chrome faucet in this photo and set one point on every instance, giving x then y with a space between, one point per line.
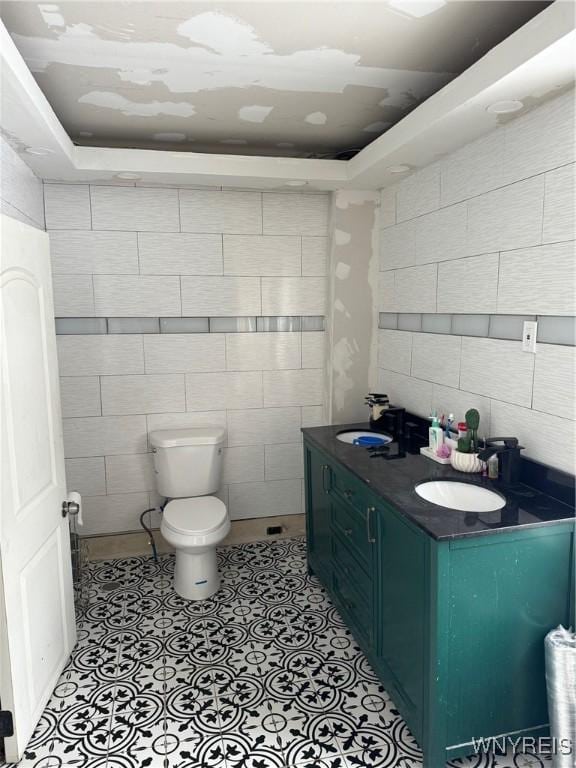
508 452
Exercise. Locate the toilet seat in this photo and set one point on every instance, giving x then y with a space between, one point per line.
195 516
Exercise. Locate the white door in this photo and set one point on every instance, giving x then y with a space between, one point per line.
38 624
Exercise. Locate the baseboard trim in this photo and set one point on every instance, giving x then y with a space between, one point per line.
241 532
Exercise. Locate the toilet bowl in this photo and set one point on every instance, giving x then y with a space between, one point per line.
188 470
194 527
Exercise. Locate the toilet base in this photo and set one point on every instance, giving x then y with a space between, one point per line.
196 574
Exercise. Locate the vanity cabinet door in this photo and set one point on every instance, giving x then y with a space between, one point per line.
402 611
318 513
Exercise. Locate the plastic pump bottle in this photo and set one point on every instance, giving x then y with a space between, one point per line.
435 435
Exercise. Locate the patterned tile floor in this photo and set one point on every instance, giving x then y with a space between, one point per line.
262 675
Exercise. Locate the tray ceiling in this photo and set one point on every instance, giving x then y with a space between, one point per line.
294 79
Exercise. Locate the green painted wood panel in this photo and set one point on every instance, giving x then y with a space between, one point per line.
505 593
318 514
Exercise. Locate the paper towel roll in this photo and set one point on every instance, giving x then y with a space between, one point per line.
75 497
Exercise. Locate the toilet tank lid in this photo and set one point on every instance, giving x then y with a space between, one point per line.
173 438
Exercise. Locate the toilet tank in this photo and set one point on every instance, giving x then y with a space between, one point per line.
187 462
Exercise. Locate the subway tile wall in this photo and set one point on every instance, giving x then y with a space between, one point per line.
137 274
485 238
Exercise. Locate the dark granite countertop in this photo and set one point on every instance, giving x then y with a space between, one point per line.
394 481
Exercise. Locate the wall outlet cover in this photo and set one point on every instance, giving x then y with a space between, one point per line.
529 332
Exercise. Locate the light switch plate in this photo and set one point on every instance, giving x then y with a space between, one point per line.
529 331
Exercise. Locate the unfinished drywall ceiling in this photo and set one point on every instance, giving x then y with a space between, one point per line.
269 78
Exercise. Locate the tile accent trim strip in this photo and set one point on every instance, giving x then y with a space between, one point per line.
68 326
551 329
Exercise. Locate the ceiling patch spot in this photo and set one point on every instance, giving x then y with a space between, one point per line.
285 145
233 141
341 237
254 113
247 62
168 136
342 269
110 100
85 134
316 118
51 15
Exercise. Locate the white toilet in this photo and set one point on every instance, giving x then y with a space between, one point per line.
188 467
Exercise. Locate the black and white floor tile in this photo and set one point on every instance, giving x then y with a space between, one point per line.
263 675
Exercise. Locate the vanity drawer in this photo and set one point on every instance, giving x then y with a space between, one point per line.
347 565
356 607
354 526
347 488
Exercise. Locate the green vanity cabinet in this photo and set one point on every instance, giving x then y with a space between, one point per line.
454 628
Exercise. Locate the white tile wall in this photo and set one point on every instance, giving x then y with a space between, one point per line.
559 205
134 209
148 393
237 213
80 396
555 380
313 349
499 228
497 369
398 246
267 499
137 295
180 253
295 214
313 416
263 351
220 296
100 355
67 206
436 358
143 252
448 400
284 461
184 352
244 464
130 474
73 295
413 394
87 476
395 350
109 253
224 390
157 421
259 255
546 438
314 256
303 387
420 193
506 218
469 285
105 435
265 426
415 289
111 514
441 235
538 280
293 296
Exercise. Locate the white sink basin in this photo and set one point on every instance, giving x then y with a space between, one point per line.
352 437
461 496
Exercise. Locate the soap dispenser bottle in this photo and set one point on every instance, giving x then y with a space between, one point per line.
435 435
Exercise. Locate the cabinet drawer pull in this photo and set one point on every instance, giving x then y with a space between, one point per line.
325 485
371 539
348 531
348 493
